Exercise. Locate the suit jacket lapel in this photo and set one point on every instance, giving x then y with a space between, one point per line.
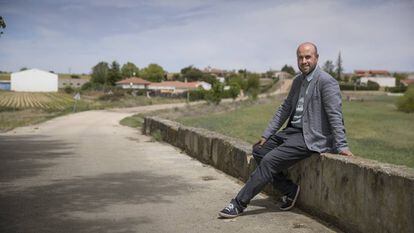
296 90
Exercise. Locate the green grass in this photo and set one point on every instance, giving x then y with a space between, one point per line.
375 129
132 121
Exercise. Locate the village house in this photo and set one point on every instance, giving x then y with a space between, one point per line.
133 83
176 87
71 82
382 77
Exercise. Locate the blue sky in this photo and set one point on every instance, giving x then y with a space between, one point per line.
256 35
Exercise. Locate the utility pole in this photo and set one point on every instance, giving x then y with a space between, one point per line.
188 91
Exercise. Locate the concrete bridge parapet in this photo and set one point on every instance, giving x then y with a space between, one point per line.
355 194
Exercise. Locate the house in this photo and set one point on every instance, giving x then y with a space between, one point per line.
214 71
407 82
34 80
71 82
372 73
176 87
133 83
382 81
5 85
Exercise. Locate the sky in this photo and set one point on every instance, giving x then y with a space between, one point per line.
73 36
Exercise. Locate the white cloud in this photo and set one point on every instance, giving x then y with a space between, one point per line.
230 35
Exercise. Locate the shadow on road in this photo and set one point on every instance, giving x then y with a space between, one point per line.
27 156
56 207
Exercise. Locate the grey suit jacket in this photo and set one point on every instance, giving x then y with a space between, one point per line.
322 120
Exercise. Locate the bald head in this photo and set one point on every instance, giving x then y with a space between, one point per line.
307 55
308 45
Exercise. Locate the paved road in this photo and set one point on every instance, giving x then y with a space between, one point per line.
86 173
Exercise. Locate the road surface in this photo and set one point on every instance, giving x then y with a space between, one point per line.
86 173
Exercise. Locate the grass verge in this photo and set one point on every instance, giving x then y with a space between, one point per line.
375 129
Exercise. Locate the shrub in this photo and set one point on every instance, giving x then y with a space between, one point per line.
68 90
398 89
406 103
215 94
371 86
198 94
90 86
113 95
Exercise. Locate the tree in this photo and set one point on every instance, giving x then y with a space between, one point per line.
288 69
237 79
215 94
100 73
329 67
114 73
234 90
191 74
129 69
339 69
2 24
23 68
406 103
153 73
253 84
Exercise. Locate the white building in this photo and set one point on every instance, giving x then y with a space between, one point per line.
34 80
382 81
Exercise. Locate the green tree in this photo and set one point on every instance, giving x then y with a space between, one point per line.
253 85
2 24
339 68
329 68
153 73
288 69
129 69
100 73
215 94
234 90
114 74
23 68
406 103
237 79
191 74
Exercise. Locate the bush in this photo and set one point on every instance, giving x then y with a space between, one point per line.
113 95
399 89
68 90
371 86
90 86
215 94
406 103
198 94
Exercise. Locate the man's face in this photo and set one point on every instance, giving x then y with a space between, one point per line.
307 58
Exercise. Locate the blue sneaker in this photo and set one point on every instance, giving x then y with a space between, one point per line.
231 211
289 200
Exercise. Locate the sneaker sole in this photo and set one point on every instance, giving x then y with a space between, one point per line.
223 215
294 200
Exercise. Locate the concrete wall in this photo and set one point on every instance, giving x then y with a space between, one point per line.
355 194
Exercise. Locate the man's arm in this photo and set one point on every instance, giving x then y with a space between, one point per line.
280 116
332 103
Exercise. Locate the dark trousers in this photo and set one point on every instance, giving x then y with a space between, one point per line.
279 152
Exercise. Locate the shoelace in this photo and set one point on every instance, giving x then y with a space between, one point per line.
229 207
286 198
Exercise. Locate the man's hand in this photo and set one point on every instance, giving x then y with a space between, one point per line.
262 141
346 153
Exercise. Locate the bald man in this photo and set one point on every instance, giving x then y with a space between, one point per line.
313 111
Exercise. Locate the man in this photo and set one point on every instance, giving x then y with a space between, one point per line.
313 109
